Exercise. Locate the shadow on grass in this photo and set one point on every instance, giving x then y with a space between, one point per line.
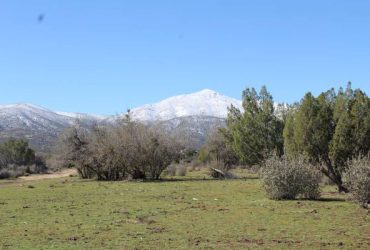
196 179
321 199
330 199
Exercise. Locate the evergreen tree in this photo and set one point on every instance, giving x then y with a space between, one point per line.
352 132
330 130
257 132
16 152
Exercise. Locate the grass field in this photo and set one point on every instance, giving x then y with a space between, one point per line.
190 213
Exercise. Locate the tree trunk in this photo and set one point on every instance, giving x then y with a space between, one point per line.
329 172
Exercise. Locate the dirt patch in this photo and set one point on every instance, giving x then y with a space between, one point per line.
37 177
60 174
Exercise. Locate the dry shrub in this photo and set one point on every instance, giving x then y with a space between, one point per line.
181 170
289 179
171 170
357 179
14 171
5 174
114 152
191 168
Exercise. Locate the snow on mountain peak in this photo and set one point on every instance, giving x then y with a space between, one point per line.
203 103
22 106
82 115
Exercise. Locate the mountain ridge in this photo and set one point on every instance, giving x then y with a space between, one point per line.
205 103
194 114
217 107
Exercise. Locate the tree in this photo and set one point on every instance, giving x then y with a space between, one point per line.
257 132
329 130
72 149
161 151
352 132
16 152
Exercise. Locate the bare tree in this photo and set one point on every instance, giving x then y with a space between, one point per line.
116 152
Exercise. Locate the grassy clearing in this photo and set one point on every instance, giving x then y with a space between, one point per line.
193 213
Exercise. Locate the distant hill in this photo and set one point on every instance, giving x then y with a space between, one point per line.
191 116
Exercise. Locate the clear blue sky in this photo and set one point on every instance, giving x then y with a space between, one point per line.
106 56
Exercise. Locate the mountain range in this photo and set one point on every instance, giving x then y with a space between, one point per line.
191 115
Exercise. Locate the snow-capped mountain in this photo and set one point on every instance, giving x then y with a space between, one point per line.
38 125
191 115
203 103
82 116
28 115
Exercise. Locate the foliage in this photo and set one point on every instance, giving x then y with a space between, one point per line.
6 174
16 152
357 178
17 159
73 150
288 179
329 130
204 155
218 149
116 152
256 133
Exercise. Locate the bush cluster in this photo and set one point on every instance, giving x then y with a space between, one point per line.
17 159
357 179
289 179
127 150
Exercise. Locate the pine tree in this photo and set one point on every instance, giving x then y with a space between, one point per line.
257 132
330 130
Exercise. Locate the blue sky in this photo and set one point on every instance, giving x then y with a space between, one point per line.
107 56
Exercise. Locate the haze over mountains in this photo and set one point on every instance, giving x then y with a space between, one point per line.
191 115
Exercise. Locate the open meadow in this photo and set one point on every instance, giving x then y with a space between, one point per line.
184 212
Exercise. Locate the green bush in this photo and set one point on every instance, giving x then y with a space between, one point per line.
289 179
357 179
17 159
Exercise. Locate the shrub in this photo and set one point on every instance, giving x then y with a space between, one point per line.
17 159
114 152
16 152
289 179
357 179
171 170
181 170
5 174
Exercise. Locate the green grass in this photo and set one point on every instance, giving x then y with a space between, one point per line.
188 214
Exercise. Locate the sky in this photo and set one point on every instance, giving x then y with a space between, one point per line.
106 56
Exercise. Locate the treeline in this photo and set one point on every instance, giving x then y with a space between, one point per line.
329 133
123 151
251 136
17 159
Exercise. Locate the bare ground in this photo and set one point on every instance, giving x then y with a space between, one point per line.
37 177
55 175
